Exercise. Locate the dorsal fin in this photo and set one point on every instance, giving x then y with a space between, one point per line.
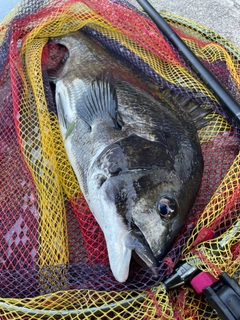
100 102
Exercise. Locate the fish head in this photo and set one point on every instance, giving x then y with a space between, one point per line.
149 207
156 214
149 199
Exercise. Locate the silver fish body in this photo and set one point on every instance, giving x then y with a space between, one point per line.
137 158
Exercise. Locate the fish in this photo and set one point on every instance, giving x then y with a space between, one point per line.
135 152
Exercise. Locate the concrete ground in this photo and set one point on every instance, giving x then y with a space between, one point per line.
6 7
221 16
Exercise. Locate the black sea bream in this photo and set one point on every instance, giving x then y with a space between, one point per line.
137 158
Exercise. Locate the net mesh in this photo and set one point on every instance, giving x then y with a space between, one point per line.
53 259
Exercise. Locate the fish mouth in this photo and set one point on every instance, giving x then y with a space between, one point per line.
124 248
143 253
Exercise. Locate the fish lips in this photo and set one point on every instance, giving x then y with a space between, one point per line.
143 253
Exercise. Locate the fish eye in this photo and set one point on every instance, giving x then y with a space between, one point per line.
167 207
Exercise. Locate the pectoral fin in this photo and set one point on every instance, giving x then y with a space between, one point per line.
100 102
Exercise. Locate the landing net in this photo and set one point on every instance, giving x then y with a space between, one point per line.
53 259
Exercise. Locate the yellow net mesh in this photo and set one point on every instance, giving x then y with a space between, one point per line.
38 257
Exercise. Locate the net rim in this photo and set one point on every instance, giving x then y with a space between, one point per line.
74 312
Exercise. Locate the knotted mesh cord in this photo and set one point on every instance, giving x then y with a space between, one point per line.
53 259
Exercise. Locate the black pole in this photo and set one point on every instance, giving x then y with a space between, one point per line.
230 105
